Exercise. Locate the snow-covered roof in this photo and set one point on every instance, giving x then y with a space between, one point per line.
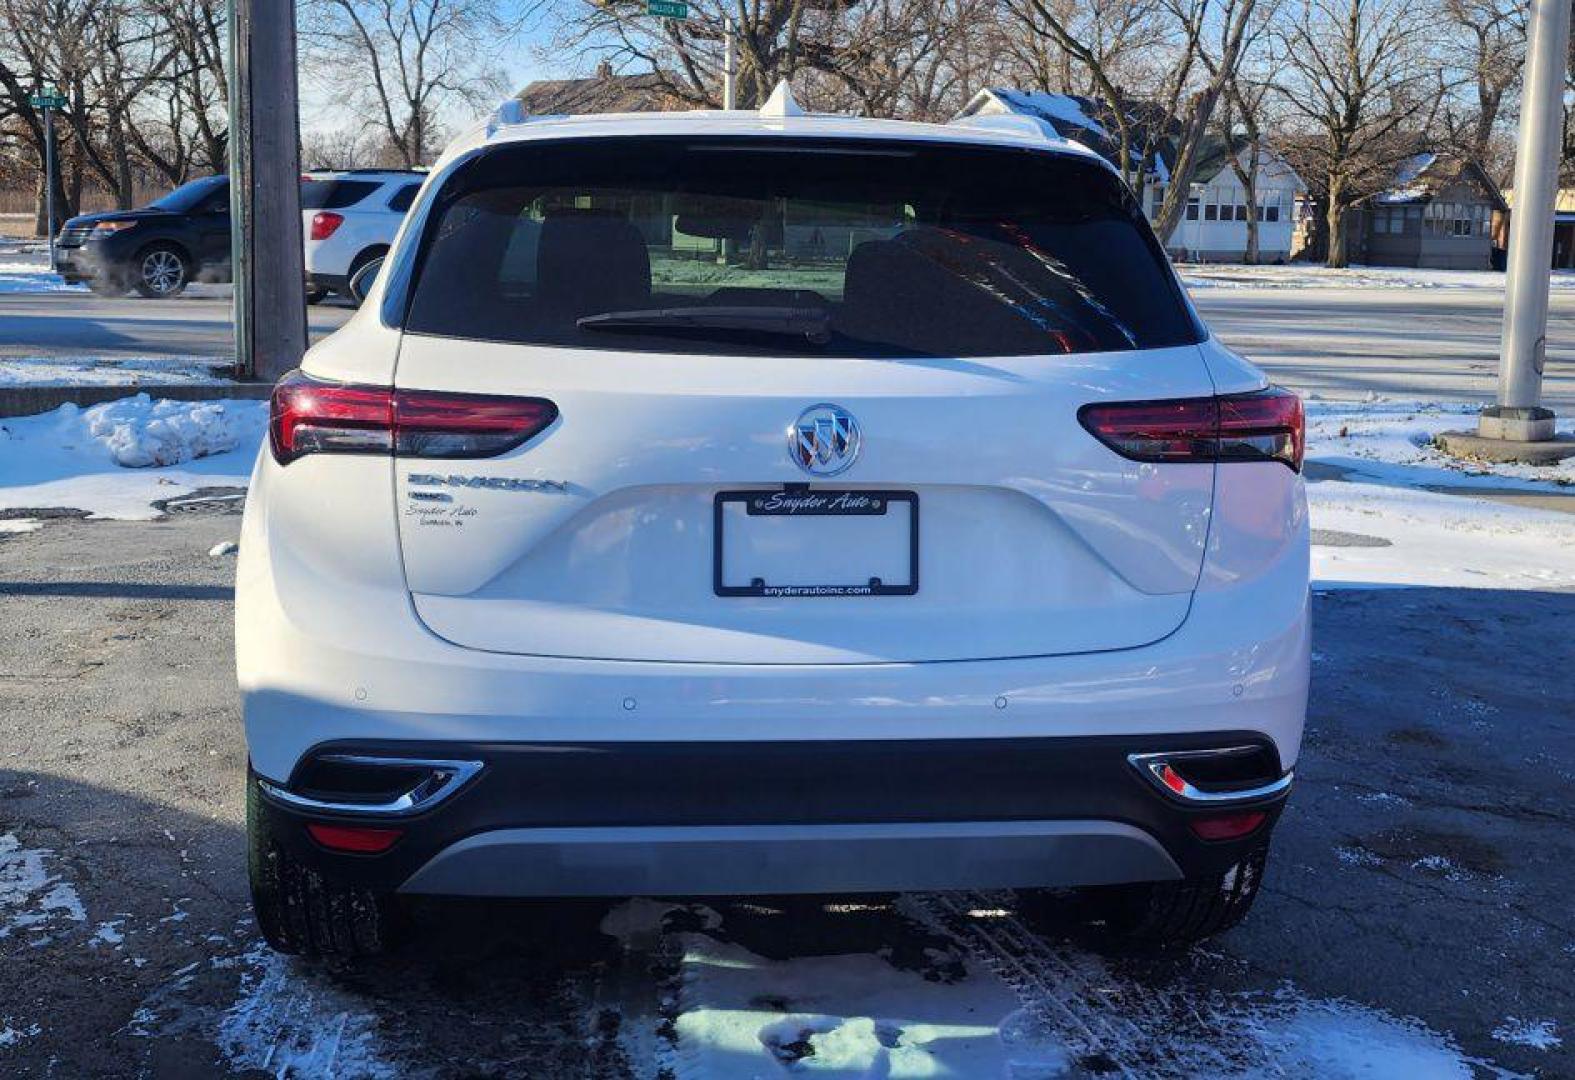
1052 107
1420 177
1413 167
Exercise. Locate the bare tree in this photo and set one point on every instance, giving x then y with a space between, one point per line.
1159 67
686 55
913 58
406 61
1489 51
1358 89
1240 120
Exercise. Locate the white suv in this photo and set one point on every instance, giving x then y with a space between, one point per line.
351 217
718 503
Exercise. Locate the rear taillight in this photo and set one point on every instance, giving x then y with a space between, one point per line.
1262 426
324 222
309 416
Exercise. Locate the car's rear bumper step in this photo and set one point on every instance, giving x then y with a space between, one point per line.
730 860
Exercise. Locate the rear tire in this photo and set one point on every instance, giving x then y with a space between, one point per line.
1181 912
301 912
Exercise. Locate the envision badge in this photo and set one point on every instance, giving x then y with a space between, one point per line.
493 483
824 440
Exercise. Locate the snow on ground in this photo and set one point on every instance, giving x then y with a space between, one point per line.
1537 1034
31 277
290 1021
33 901
113 370
1380 525
1041 1009
116 459
1311 276
848 1016
1392 441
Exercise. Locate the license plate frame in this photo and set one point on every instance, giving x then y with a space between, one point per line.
807 502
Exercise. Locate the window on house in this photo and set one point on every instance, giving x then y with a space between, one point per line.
1241 212
1460 227
1192 209
1211 212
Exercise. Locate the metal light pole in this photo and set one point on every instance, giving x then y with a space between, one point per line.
1518 414
266 257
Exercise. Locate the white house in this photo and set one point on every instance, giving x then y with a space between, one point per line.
1214 227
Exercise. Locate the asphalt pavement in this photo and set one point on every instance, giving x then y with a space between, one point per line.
1423 869
1408 344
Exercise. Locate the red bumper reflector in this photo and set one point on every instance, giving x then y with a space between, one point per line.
1228 826
355 839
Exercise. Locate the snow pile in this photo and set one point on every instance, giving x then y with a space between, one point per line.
78 458
32 900
139 432
112 370
20 277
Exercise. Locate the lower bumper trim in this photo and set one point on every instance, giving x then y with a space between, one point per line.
814 858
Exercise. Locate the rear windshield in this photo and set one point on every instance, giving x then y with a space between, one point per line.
766 247
335 194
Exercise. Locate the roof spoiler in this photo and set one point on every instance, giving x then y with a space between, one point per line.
1013 122
510 112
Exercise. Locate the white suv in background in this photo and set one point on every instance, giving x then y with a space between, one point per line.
720 503
351 217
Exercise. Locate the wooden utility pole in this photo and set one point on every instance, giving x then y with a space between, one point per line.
265 190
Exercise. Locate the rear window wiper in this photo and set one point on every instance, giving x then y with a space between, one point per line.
812 324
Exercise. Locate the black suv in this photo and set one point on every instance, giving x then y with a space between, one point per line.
157 250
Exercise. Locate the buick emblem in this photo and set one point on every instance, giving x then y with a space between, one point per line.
824 440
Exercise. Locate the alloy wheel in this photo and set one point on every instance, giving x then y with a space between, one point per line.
163 272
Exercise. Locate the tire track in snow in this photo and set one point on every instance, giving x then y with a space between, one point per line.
1121 1026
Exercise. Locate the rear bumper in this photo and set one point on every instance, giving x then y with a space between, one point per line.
756 859
694 818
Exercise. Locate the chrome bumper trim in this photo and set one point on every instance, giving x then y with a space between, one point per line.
1155 769
444 779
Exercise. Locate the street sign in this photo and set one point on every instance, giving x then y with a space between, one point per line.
667 9
51 100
